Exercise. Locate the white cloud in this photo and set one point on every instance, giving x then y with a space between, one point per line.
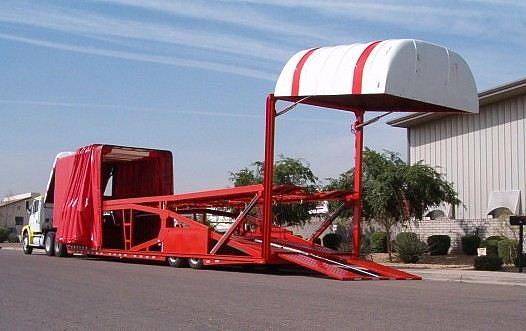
236 15
462 18
143 57
90 24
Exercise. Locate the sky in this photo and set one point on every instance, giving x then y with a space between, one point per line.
192 76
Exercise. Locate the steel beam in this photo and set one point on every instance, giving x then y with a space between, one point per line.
357 184
328 221
270 118
239 220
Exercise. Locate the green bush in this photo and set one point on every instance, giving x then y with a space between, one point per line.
469 244
408 247
507 250
439 244
492 246
365 244
332 240
12 238
520 260
497 238
488 262
3 234
379 242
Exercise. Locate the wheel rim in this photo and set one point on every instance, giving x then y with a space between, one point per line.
26 241
194 261
171 259
48 244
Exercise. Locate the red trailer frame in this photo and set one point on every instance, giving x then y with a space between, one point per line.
168 226
145 220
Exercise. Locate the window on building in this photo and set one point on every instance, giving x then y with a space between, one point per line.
19 220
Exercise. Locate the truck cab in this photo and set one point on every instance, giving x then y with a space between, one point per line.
39 232
39 227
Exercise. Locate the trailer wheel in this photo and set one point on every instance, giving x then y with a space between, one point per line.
177 262
25 244
49 244
195 263
60 249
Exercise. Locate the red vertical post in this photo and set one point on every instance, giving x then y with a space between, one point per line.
270 116
357 184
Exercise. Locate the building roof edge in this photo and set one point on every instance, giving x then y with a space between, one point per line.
486 97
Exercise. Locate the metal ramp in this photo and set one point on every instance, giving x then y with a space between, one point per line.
338 267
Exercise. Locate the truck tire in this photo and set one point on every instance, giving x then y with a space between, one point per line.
25 244
177 262
49 243
195 263
60 249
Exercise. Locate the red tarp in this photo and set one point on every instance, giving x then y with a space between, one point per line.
78 190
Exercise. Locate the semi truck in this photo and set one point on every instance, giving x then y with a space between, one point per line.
118 202
39 232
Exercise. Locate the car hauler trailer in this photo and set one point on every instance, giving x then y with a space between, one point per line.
117 201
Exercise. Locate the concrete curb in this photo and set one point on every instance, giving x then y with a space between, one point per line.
472 276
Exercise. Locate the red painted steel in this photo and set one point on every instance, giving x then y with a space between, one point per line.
297 72
357 184
360 64
270 118
136 225
322 267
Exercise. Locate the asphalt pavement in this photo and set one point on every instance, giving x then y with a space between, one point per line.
40 292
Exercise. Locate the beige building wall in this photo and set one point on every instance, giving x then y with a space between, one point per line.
479 154
13 215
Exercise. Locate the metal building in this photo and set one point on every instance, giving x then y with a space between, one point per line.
483 154
13 211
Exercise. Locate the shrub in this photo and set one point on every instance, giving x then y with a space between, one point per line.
365 244
379 242
408 247
507 250
3 234
332 240
497 238
488 262
492 246
12 238
439 244
469 244
520 260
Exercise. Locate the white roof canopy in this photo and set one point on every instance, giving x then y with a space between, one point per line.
391 75
510 200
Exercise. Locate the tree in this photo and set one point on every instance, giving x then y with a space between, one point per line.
394 192
287 170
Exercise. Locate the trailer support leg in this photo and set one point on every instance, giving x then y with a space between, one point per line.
357 184
270 117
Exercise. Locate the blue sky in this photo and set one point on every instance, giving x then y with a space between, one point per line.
192 76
